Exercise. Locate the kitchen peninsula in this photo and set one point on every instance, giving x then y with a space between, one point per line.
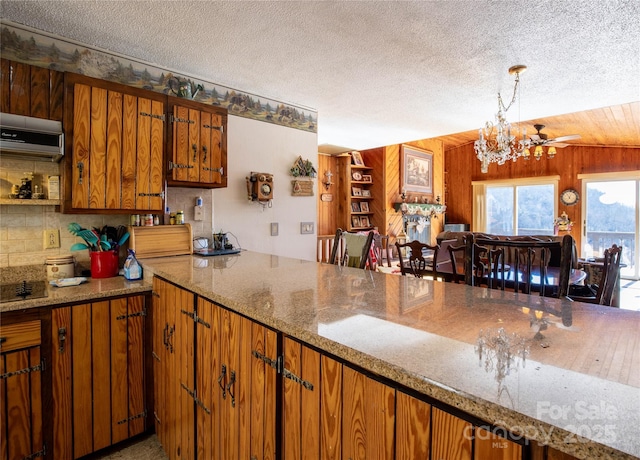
463 372
573 380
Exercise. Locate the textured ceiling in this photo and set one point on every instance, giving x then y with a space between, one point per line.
377 72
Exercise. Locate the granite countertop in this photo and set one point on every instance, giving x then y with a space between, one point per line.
94 288
563 373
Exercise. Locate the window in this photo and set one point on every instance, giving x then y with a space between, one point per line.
515 207
611 213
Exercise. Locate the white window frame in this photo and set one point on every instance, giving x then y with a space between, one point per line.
608 177
479 223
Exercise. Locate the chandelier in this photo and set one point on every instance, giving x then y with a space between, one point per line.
496 143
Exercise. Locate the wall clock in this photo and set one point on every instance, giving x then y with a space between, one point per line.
569 197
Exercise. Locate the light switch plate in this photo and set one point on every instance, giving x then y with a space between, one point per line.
306 228
274 228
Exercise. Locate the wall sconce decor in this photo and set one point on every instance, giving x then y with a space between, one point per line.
327 179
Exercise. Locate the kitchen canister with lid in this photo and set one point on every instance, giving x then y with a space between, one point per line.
59 267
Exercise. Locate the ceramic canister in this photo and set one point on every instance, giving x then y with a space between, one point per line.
59 267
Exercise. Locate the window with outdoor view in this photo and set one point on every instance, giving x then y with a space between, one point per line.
519 207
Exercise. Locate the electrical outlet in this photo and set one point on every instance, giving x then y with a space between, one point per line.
306 228
198 213
51 239
274 228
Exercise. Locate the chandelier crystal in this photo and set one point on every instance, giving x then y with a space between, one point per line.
496 143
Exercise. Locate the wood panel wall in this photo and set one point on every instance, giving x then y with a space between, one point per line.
462 167
386 189
387 163
327 210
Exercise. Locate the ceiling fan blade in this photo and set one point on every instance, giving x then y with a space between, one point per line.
535 138
570 137
560 146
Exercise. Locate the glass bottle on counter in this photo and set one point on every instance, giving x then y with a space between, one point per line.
180 218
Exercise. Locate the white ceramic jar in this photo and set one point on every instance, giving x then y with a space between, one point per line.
59 267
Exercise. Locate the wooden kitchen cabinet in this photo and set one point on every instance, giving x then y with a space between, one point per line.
21 390
235 385
196 145
312 404
332 411
173 367
114 146
424 431
214 395
31 91
98 379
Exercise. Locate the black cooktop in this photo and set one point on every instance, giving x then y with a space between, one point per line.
23 290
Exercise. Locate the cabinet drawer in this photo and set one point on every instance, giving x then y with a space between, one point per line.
20 335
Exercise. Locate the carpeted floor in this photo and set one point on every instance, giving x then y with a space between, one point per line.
143 448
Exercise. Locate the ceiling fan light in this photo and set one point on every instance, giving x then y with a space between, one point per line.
551 152
526 154
537 153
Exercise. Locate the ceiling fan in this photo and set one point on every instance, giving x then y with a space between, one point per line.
542 139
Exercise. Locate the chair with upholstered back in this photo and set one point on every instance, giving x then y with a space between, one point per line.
418 260
356 249
604 293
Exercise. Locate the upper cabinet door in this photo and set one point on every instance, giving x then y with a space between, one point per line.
114 145
29 90
197 145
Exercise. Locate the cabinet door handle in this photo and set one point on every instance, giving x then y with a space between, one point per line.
62 337
220 378
204 151
195 152
232 380
80 167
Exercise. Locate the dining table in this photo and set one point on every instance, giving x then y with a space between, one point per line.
552 277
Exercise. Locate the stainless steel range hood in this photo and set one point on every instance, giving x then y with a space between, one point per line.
30 138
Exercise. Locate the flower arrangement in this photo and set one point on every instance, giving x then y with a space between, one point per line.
562 223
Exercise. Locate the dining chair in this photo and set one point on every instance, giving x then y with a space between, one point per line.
604 292
356 247
420 259
457 256
381 248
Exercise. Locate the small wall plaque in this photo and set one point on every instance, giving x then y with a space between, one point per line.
302 188
326 197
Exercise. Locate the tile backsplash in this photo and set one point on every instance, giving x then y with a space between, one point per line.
22 226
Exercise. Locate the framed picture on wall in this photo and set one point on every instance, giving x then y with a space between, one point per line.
416 170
